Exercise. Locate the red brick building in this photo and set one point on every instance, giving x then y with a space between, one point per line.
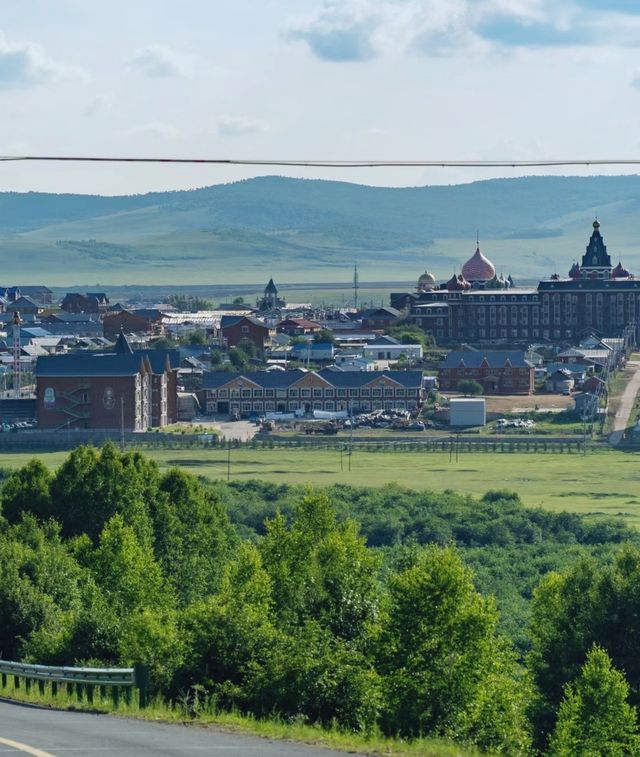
125 388
297 327
235 328
129 321
498 372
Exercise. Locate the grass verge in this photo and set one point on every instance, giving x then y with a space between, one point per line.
275 728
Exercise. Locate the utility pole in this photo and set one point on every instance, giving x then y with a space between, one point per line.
229 460
122 422
17 349
356 285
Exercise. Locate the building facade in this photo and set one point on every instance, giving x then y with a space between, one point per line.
305 391
134 390
594 297
498 372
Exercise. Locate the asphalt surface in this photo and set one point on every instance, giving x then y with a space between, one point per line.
626 405
41 732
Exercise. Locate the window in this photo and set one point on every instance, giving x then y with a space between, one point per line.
257 392
222 393
305 392
245 329
246 392
342 392
376 393
317 392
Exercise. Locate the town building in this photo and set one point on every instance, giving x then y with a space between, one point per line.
476 306
297 327
91 302
270 299
128 389
305 391
380 318
236 328
498 372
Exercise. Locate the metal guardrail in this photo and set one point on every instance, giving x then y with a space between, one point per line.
82 680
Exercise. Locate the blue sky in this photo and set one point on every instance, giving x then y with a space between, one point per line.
326 79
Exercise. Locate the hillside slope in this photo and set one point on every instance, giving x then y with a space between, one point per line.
310 230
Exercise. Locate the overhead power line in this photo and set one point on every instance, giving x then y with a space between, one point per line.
334 163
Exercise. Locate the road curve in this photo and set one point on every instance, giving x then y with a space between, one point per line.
26 729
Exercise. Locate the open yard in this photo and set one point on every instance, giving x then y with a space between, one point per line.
606 482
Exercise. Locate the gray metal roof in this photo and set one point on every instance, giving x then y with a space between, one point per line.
495 359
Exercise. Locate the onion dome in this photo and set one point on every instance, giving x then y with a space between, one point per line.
619 272
457 283
493 283
574 273
426 282
510 281
555 277
596 224
478 268
504 283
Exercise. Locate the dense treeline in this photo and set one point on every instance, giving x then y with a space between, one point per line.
110 561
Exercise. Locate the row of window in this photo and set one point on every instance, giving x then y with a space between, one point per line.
270 406
317 392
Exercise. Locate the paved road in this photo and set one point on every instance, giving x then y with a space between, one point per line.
41 732
621 420
242 430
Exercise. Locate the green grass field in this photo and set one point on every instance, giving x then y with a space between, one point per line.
604 482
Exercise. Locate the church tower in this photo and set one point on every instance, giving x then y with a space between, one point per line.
596 262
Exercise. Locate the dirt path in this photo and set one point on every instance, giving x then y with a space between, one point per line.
627 401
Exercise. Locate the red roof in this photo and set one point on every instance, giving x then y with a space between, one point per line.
478 268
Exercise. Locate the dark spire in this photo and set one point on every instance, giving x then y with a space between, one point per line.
271 288
122 346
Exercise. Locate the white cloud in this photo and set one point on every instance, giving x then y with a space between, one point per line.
358 30
98 104
25 64
160 61
234 126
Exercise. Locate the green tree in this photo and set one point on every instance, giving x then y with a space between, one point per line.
193 537
469 387
27 490
595 717
321 569
588 604
229 634
442 660
324 336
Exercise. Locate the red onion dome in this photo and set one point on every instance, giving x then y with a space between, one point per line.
478 268
464 284
574 273
619 272
455 284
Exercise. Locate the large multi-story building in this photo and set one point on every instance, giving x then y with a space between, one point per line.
305 391
476 306
126 388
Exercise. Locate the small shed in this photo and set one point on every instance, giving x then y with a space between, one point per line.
467 411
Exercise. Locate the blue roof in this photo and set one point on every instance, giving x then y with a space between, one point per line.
495 359
284 379
231 320
98 365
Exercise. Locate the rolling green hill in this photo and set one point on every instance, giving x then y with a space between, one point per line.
309 230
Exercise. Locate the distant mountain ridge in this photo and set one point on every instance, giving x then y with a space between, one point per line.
316 226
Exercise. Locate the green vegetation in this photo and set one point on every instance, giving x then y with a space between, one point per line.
600 483
301 230
268 601
470 388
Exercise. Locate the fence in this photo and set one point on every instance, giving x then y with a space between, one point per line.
82 681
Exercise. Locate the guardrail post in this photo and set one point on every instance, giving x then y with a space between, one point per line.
141 682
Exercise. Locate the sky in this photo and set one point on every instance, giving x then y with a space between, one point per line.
313 79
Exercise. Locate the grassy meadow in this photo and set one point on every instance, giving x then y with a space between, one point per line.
602 482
